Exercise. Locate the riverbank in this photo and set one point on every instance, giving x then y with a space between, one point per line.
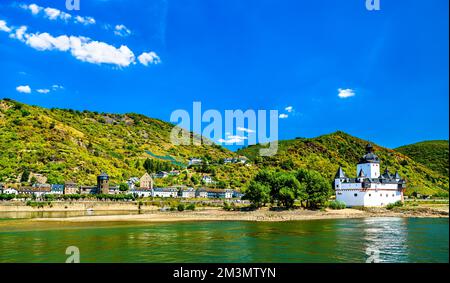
264 214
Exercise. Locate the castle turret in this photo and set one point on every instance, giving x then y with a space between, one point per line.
103 183
369 163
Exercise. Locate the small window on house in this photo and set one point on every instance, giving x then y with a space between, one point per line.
393 195
356 195
370 195
387 195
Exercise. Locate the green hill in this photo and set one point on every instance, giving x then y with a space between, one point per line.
77 145
327 152
73 145
433 154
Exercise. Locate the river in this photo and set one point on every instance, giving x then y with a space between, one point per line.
341 240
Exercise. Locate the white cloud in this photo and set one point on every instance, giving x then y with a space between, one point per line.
231 139
289 109
43 90
83 49
283 116
241 129
56 87
4 27
19 33
56 14
23 89
149 58
85 20
100 53
34 9
45 41
346 93
121 30
52 13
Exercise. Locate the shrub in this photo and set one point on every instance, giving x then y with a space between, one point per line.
180 207
227 206
393 205
191 207
337 204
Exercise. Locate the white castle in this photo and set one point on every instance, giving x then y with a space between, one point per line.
369 188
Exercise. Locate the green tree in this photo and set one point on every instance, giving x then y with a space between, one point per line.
25 176
258 194
123 187
317 188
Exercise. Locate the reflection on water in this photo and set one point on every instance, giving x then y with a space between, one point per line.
344 240
61 214
386 239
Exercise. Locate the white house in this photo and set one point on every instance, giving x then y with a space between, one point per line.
10 191
165 192
195 161
186 192
207 179
370 188
142 192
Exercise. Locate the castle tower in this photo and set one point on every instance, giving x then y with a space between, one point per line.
369 164
103 183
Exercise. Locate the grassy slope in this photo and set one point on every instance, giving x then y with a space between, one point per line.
433 154
66 144
327 152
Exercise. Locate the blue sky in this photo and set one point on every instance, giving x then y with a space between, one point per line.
389 66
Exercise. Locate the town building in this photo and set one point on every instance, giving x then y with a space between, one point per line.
195 161
103 183
370 188
165 192
142 192
71 188
57 189
161 174
207 179
217 193
89 190
186 192
132 183
201 193
146 181
114 190
10 191
237 194
34 191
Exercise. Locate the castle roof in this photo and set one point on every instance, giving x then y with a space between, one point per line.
369 157
340 173
361 174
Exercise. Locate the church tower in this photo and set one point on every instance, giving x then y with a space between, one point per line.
369 164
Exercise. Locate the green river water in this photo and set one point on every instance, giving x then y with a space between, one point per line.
343 240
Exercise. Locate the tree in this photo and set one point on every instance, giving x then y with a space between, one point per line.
25 176
288 189
257 193
33 180
317 188
195 180
123 187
